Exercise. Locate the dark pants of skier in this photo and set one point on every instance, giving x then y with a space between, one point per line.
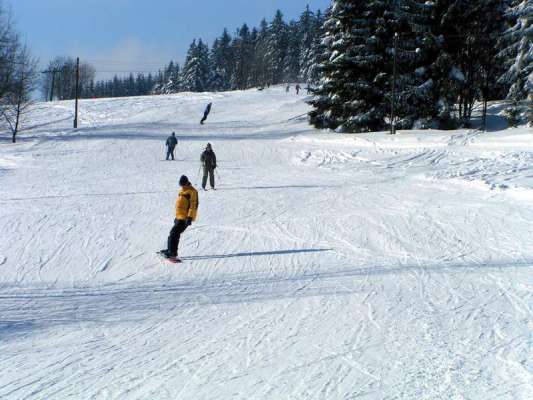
204 118
170 153
211 173
174 238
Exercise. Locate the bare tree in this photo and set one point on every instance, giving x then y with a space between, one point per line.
9 47
17 101
61 73
17 75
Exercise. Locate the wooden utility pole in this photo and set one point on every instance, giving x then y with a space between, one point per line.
393 90
77 92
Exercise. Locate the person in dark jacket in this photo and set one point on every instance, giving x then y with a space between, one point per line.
206 113
298 87
172 142
209 163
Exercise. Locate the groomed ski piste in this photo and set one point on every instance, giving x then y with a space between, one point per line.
327 266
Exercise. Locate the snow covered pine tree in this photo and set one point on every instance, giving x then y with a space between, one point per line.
518 57
351 94
195 75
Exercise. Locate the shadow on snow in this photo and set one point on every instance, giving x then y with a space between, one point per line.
255 254
27 311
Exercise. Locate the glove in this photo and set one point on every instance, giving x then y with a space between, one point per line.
188 222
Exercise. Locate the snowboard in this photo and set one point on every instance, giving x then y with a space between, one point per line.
169 260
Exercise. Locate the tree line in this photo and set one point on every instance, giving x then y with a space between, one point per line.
418 64
376 64
275 52
59 81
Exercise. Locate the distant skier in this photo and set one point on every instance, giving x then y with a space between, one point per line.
171 144
206 113
298 87
209 163
288 88
309 90
186 213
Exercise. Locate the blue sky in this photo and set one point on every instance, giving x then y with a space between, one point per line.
136 35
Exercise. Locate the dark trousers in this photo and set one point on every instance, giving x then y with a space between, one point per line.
208 172
170 153
174 238
204 118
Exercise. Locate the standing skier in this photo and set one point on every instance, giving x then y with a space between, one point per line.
206 113
298 87
171 144
186 212
209 163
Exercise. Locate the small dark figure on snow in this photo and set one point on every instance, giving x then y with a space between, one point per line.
288 88
309 89
206 113
171 144
298 87
209 163
186 212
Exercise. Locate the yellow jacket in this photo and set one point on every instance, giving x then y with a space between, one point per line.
187 204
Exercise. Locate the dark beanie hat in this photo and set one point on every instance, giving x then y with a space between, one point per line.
184 181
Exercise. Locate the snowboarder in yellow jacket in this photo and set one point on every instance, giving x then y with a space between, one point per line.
186 212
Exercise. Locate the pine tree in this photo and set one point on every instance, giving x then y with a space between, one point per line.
529 112
149 83
217 81
277 47
140 85
117 90
260 65
243 51
311 66
222 62
351 95
518 55
169 80
310 36
468 30
175 79
254 78
196 75
412 41
129 86
294 51
160 82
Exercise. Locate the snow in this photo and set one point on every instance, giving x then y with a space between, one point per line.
457 74
327 266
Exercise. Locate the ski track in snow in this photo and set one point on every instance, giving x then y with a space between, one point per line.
325 267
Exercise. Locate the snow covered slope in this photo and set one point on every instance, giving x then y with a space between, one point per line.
325 267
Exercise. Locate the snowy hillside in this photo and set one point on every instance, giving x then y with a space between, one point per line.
325 267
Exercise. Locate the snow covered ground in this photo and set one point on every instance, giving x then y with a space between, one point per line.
326 267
